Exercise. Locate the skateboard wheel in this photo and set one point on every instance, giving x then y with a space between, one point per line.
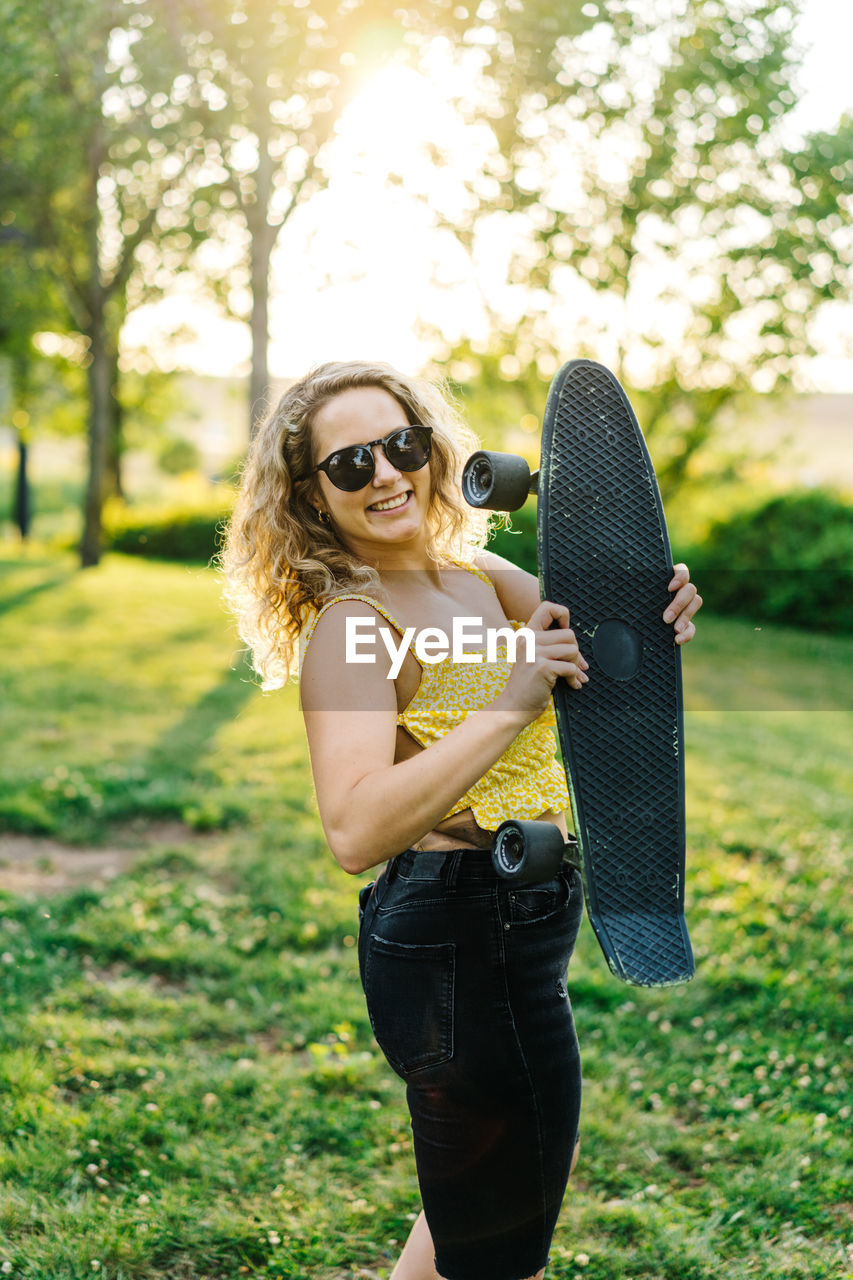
498 481
527 852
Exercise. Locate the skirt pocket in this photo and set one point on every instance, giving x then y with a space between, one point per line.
410 991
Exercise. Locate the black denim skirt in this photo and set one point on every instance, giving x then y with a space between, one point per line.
465 980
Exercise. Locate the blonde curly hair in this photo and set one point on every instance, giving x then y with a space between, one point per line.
280 563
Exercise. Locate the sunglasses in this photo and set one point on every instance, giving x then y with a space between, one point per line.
407 449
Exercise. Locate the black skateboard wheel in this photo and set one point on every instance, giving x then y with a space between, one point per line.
527 852
497 481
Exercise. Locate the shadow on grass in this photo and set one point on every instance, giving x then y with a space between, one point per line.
183 744
23 596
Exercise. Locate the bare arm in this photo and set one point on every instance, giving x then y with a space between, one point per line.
517 590
372 808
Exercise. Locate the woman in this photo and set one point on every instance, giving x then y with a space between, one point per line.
351 546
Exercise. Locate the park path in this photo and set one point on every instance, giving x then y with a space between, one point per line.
35 865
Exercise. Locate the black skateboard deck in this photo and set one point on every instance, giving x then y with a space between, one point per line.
604 553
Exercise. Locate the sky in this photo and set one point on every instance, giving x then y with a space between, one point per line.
356 277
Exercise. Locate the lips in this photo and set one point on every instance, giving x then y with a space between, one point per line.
391 504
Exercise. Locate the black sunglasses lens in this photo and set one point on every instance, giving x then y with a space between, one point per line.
351 469
409 449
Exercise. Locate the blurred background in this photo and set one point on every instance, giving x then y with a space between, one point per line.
200 200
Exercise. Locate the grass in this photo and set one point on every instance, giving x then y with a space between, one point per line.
128 694
189 1089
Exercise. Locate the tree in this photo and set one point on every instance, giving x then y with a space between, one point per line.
271 80
27 299
276 77
94 168
667 220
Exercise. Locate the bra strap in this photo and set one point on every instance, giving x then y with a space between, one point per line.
472 568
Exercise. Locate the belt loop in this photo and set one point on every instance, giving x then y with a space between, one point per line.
452 868
391 869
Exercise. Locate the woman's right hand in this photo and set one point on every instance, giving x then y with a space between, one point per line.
531 683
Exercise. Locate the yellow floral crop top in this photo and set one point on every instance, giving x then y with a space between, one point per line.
526 780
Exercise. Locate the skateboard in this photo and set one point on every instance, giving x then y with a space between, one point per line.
603 551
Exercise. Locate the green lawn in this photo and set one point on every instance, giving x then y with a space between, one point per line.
188 1084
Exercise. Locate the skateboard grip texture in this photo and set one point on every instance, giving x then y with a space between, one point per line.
604 553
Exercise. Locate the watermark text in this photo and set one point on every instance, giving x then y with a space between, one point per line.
432 644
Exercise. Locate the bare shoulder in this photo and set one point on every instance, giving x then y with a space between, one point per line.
517 590
345 665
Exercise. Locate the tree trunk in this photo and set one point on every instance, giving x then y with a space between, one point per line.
262 241
22 490
20 377
262 238
115 449
99 426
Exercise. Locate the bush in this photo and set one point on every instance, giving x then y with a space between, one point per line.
188 534
789 560
176 456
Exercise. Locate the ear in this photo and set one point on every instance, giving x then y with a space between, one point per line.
314 498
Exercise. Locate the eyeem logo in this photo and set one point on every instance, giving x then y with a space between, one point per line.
432 643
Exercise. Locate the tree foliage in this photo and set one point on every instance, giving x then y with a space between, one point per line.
276 78
272 80
639 154
96 167
670 225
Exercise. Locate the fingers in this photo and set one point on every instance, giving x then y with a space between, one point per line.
546 613
686 600
570 672
683 605
560 652
681 576
556 644
559 643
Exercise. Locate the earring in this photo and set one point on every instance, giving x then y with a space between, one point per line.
324 517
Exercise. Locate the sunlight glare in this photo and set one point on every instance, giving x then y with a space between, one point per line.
395 108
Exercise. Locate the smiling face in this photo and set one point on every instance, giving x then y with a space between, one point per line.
389 511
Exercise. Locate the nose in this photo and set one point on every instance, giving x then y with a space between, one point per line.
385 472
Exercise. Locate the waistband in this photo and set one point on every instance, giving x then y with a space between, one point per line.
450 866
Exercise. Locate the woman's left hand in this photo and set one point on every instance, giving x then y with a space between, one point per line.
683 605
